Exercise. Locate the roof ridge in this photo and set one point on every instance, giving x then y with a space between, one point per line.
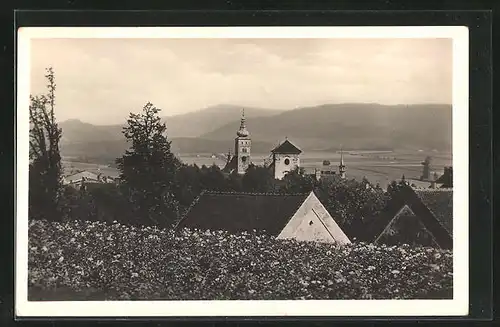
252 193
195 201
421 200
434 189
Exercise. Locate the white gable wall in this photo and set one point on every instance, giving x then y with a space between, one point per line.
312 222
310 228
281 168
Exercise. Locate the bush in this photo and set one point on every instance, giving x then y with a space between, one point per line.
98 261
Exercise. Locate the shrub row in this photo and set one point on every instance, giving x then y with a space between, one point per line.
99 261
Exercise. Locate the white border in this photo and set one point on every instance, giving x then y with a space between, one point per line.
457 306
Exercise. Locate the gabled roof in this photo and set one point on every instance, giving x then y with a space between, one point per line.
433 207
447 178
287 147
238 212
231 165
78 176
440 203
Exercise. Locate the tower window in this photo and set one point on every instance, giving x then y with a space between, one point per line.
244 150
310 222
287 161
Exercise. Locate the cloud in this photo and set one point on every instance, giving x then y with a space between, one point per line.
101 81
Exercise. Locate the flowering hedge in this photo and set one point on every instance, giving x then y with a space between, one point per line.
93 260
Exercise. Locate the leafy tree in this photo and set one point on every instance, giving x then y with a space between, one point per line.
394 187
355 205
213 179
235 182
78 204
148 168
258 179
297 182
188 184
45 171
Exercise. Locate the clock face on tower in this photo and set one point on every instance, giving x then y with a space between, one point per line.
243 159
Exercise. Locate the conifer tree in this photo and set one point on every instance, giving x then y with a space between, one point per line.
45 171
148 169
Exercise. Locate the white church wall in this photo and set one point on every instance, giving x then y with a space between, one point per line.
282 166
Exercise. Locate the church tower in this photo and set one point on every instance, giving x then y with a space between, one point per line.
242 146
342 167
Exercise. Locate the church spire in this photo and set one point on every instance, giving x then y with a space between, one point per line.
243 132
342 167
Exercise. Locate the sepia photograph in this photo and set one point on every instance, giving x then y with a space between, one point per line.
208 171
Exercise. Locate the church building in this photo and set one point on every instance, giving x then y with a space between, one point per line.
285 158
242 145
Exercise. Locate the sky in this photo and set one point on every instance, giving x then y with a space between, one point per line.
100 81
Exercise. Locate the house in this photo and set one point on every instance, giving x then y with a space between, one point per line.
86 177
417 217
299 216
446 180
328 173
419 184
76 179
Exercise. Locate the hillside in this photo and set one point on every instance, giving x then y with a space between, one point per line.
356 126
188 125
197 123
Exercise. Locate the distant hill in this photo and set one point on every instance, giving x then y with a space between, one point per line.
106 142
355 126
197 123
325 128
193 124
76 131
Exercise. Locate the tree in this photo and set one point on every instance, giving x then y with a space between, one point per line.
45 171
188 185
235 182
296 181
213 179
354 204
258 179
148 169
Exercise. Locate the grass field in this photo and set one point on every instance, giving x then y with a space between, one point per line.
377 166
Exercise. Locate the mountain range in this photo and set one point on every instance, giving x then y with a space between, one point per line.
360 126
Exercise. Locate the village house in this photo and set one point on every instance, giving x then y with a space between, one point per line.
86 177
431 178
300 216
417 217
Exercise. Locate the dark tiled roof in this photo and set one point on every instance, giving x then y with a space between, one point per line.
287 147
447 178
440 203
237 212
231 165
432 207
